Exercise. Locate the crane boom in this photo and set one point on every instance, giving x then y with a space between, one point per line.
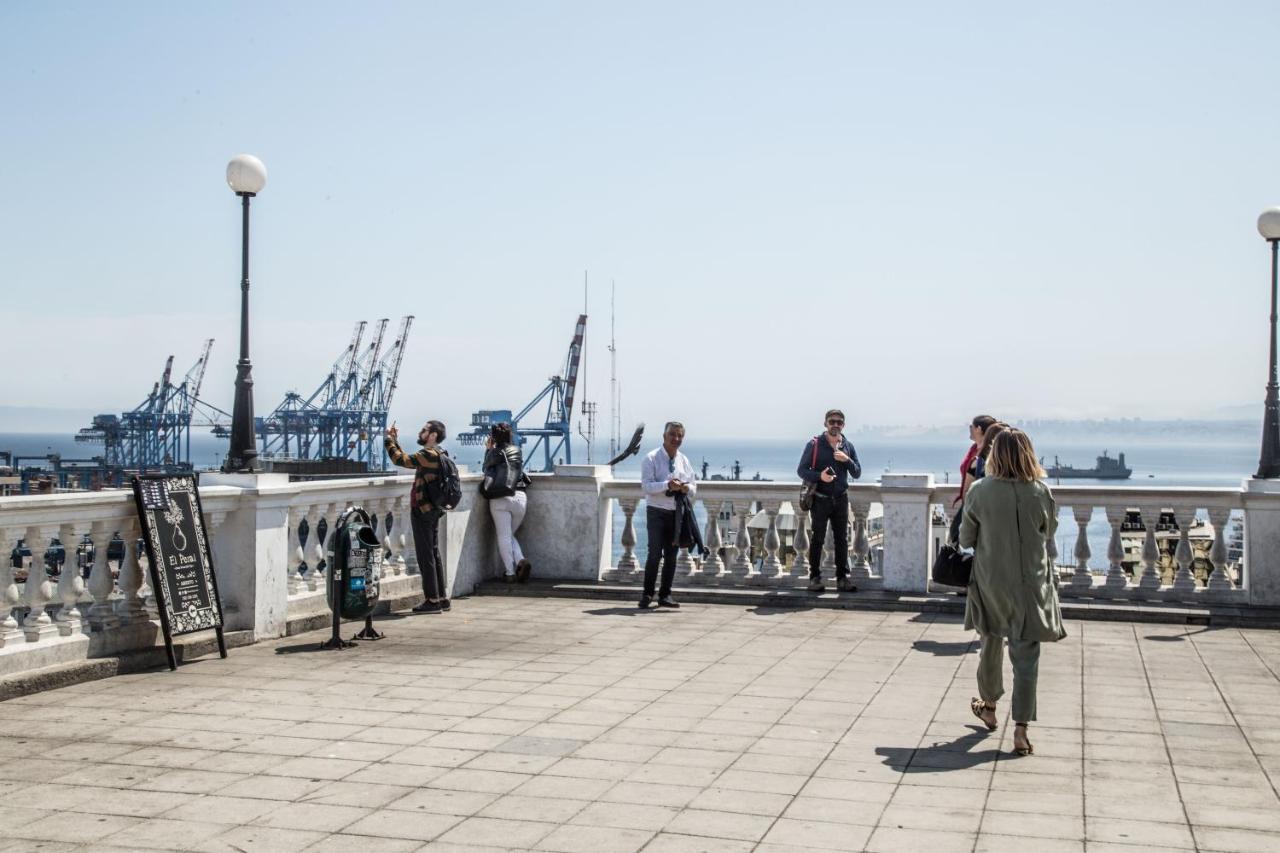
398 349
571 364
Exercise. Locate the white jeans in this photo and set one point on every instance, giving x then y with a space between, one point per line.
507 514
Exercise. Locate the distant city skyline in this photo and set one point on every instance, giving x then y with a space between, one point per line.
915 214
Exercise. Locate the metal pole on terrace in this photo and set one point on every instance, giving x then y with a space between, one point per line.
246 176
1269 464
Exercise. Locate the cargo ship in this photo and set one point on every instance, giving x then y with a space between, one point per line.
1106 469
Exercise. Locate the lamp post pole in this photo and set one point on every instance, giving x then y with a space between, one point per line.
1269 463
246 175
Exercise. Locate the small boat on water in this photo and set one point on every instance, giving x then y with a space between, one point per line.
1106 469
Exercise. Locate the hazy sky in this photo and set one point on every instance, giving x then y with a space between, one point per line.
914 211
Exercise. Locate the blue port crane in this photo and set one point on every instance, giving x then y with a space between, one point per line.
156 435
553 436
346 415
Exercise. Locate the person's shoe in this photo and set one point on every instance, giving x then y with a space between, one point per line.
815 585
645 601
429 607
668 601
523 570
445 605
846 585
509 578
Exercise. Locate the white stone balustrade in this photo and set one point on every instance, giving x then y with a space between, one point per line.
569 534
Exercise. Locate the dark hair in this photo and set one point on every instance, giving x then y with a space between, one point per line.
989 436
501 434
438 428
831 412
670 425
982 421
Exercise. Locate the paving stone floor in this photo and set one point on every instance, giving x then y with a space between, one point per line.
566 725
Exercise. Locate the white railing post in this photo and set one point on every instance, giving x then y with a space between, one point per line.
39 589
800 566
1183 580
1220 580
129 607
860 545
771 572
1082 578
742 543
908 531
70 583
713 564
102 616
625 569
1150 580
1262 541
1117 580
10 632
296 557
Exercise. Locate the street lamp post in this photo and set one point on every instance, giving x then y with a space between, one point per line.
246 176
1269 464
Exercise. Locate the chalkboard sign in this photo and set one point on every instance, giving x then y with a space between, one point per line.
178 554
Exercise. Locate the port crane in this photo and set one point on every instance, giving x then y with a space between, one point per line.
346 415
553 436
156 434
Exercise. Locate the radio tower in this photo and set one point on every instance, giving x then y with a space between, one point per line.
615 413
588 408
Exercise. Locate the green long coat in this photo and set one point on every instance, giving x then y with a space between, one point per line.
1012 593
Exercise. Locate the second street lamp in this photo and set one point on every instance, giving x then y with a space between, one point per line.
246 176
1269 464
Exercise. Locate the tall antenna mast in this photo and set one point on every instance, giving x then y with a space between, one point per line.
615 415
588 408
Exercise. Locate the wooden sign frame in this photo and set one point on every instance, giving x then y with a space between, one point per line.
178 557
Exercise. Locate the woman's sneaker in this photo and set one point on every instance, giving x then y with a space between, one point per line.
523 570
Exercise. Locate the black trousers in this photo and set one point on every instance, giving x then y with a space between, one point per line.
833 511
426 542
662 534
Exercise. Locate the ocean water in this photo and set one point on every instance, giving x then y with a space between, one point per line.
1189 461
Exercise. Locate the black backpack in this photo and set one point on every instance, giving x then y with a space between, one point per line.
445 491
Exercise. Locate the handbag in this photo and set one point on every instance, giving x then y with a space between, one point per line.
807 489
952 567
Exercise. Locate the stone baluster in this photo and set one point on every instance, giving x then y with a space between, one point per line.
130 608
741 567
38 588
800 565
771 570
315 545
1116 578
399 523
102 616
627 563
1150 579
10 633
1184 581
70 583
713 565
146 594
1220 580
296 555
860 545
829 552
685 567
1082 578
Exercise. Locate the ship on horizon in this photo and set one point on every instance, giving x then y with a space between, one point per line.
1106 469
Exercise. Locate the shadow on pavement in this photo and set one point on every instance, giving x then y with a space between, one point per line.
626 611
943 649
958 754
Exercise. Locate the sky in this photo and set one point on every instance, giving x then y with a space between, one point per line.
914 212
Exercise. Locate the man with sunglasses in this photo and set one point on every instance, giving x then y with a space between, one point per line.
829 462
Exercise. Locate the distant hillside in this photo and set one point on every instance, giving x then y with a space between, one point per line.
1206 430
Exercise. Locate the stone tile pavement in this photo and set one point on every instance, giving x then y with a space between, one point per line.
568 725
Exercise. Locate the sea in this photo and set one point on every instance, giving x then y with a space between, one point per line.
1190 460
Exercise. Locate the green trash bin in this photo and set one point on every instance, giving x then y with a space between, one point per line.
355 564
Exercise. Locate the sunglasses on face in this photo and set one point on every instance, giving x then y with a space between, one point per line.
835 423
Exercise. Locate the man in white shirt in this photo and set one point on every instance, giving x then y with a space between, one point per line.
664 472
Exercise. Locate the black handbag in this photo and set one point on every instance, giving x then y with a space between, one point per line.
952 566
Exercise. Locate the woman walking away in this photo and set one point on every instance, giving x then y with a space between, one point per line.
504 484
1008 515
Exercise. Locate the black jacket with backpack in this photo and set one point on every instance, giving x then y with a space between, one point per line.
503 472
